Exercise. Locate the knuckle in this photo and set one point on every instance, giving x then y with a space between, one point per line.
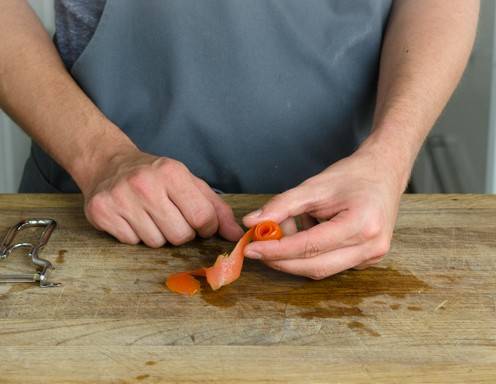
277 199
96 206
280 200
273 251
118 195
128 239
274 265
312 249
171 166
377 260
124 236
371 229
382 248
290 194
224 208
369 263
376 252
202 217
181 238
139 183
317 274
361 267
154 242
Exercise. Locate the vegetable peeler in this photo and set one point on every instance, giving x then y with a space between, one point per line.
7 246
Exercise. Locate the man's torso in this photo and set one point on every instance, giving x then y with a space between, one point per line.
252 96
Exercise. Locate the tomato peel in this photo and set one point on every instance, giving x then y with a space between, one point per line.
227 268
183 283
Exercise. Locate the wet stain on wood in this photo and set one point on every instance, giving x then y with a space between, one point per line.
214 250
61 256
448 278
196 248
349 289
332 312
142 377
150 362
335 297
179 255
107 290
362 328
395 306
225 297
414 308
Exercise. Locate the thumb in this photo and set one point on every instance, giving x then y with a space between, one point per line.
291 203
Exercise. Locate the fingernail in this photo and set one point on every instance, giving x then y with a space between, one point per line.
254 214
253 255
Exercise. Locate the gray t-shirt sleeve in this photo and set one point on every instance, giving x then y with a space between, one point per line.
75 23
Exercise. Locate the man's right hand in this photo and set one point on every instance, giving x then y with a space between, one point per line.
129 194
140 197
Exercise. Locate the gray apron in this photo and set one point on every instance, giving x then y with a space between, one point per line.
252 96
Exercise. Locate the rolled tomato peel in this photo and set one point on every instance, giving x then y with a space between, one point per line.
226 268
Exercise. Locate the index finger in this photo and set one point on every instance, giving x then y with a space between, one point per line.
194 205
336 233
229 229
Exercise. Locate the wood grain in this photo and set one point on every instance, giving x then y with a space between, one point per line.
426 314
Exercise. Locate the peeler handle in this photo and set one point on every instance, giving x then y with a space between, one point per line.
20 278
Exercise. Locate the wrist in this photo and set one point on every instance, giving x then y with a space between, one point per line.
97 154
397 158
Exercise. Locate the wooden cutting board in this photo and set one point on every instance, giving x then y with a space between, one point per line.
426 314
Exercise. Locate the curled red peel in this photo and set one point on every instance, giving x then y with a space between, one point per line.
227 268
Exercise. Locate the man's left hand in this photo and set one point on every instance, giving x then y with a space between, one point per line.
348 213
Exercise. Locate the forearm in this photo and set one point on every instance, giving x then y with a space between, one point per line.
39 94
425 50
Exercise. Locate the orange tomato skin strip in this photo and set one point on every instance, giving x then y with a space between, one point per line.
227 268
267 230
183 283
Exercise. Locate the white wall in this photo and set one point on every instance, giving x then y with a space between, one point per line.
14 149
491 145
14 144
457 157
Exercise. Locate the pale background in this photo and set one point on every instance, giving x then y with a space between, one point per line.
459 155
14 144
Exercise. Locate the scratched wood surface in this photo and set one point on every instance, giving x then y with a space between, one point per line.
426 314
